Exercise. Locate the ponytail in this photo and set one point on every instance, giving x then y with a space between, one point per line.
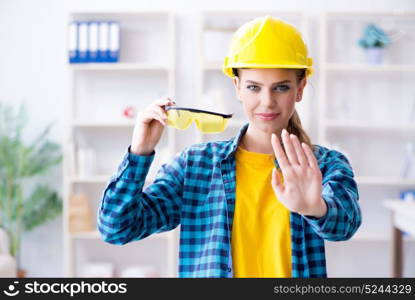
295 127
294 124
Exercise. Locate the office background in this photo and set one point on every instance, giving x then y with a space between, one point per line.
34 69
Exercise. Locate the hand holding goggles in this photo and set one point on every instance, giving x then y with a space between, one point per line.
206 121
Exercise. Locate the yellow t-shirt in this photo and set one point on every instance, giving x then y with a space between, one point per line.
261 241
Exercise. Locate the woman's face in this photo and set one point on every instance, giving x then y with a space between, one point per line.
268 96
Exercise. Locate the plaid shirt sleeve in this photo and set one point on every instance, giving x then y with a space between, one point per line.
340 192
128 213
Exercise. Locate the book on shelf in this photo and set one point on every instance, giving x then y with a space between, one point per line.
94 41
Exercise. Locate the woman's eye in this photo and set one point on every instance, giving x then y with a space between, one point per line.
282 88
253 87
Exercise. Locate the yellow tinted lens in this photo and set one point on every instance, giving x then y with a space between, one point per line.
180 119
208 123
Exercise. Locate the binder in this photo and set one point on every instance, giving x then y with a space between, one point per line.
83 42
73 49
92 41
114 41
103 41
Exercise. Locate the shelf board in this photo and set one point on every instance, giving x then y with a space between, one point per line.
376 237
384 181
360 13
212 66
119 67
370 68
91 179
331 124
101 124
402 207
119 14
220 29
365 236
85 235
95 235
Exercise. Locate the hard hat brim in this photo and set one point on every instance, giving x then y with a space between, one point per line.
228 69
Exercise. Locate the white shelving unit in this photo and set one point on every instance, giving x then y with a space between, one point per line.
364 110
215 89
98 92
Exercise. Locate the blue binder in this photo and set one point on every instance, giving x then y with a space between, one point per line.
103 41
83 42
114 41
92 41
73 48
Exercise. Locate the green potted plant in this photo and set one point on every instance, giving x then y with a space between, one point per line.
374 40
22 205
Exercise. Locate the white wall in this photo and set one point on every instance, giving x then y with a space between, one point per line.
32 68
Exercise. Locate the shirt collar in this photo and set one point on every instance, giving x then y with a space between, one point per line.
234 142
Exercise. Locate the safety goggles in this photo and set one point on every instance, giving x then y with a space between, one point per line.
206 121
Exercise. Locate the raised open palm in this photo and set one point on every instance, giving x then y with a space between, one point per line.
300 188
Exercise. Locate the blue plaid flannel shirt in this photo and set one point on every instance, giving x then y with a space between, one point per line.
196 189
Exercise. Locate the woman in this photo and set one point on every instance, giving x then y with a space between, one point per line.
258 205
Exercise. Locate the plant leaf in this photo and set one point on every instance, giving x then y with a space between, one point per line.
43 205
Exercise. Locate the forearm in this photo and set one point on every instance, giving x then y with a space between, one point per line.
120 214
128 213
342 219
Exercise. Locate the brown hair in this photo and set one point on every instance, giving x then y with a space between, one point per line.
294 124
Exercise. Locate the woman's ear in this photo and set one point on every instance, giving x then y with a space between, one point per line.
301 90
237 84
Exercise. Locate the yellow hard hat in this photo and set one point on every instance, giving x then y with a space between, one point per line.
267 42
